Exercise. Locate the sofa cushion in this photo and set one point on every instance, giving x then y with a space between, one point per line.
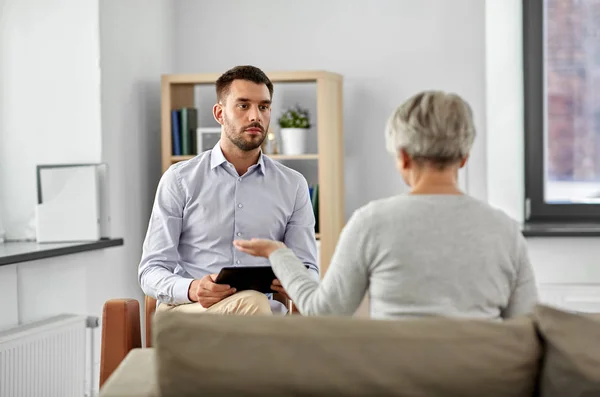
571 365
134 377
208 354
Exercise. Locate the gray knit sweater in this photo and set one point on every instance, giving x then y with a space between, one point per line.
419 255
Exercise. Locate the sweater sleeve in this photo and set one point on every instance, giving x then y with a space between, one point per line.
524 295
344 285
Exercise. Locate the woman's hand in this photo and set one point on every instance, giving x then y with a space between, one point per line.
258 246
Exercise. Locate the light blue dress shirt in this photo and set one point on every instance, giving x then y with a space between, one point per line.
202 205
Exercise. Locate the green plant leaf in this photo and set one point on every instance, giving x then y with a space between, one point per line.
295 117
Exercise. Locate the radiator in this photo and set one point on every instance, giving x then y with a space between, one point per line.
44 359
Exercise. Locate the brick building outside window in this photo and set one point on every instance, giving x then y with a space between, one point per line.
572 100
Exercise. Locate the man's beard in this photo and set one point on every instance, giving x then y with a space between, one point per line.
239 140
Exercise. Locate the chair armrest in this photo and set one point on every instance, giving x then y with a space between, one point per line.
286 302
120 334
149 309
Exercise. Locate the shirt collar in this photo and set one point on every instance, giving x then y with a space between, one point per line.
261 162
217 158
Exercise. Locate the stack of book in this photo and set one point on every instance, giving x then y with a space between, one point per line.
184 122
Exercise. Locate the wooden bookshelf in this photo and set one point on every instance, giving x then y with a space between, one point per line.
177 91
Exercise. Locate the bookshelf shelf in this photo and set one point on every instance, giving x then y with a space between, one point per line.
176 159
178 92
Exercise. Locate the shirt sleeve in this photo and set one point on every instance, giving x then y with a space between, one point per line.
160 255
345 283
300 231
524 295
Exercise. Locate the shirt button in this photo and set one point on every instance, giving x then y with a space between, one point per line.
239 234
240 205
238 261
239 179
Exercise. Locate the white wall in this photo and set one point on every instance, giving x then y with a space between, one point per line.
135 49
9 313
504 106
81 82
386 50
50 95
3 57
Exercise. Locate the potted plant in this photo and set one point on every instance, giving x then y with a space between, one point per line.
294 124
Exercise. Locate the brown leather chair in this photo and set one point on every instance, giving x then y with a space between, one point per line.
120 334
121 330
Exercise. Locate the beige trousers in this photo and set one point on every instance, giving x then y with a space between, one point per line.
243 303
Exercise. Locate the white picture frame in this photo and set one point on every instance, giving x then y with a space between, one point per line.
207 138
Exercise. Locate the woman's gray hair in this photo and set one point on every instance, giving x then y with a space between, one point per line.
432 126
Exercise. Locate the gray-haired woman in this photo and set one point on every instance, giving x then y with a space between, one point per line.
433 251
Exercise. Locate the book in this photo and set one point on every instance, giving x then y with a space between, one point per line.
176 132
189 123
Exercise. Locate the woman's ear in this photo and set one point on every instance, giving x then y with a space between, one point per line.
218 113
404 160
463 162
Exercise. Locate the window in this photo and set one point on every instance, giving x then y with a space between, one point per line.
562 110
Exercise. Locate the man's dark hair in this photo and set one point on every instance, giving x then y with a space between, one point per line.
243 72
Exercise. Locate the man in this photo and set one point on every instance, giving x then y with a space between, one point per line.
230 192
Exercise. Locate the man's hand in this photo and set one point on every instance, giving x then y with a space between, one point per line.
277 287
258 246
207 293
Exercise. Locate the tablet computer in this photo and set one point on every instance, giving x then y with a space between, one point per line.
258 278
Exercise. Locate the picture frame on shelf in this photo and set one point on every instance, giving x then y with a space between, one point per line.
207 138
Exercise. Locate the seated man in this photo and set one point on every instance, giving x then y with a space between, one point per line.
231 191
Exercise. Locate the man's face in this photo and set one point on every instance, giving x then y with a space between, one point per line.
245 114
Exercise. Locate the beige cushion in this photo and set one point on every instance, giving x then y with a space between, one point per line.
572 361
207 354
134 377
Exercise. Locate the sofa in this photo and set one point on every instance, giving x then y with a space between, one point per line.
550 353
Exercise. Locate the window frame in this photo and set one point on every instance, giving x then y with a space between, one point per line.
536 209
